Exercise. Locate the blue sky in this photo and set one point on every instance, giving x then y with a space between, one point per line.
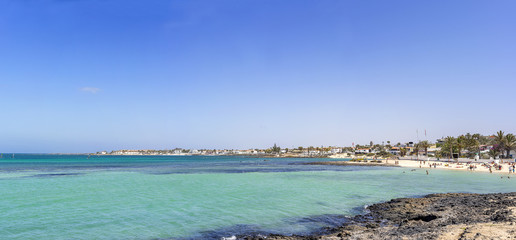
91 75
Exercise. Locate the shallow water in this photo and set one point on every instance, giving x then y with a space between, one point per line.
153 197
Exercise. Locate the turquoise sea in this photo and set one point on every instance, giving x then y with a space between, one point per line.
171 197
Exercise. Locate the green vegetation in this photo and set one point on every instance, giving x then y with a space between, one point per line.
403 152
424 145
274 149
470 145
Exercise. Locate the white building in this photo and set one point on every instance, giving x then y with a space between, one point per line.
362 151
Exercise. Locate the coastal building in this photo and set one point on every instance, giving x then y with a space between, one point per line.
485 148
336 150
314 152
128 152
194 151
394 150
362 150
433 149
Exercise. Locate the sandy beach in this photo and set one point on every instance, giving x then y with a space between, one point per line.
464 165
483 165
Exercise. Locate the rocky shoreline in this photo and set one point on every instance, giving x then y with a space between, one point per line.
435 216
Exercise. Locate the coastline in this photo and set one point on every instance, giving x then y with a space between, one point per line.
480 166
218 155
443 216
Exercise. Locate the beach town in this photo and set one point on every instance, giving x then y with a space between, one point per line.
471 146
472 152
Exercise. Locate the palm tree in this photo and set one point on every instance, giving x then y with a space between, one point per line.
438 154
424 145
449 144
499 140
493 152
509 143
276 148
403 151
461 143
500 135
416 149
471 144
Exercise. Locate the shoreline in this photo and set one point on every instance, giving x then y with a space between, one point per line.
442 216
481 166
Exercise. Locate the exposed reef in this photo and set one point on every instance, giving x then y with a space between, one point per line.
435 216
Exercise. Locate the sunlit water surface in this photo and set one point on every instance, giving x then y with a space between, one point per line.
159 197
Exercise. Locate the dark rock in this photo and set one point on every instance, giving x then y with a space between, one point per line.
425 218
421 218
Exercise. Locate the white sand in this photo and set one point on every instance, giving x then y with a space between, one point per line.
479 166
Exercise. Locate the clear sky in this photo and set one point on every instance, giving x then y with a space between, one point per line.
91 75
